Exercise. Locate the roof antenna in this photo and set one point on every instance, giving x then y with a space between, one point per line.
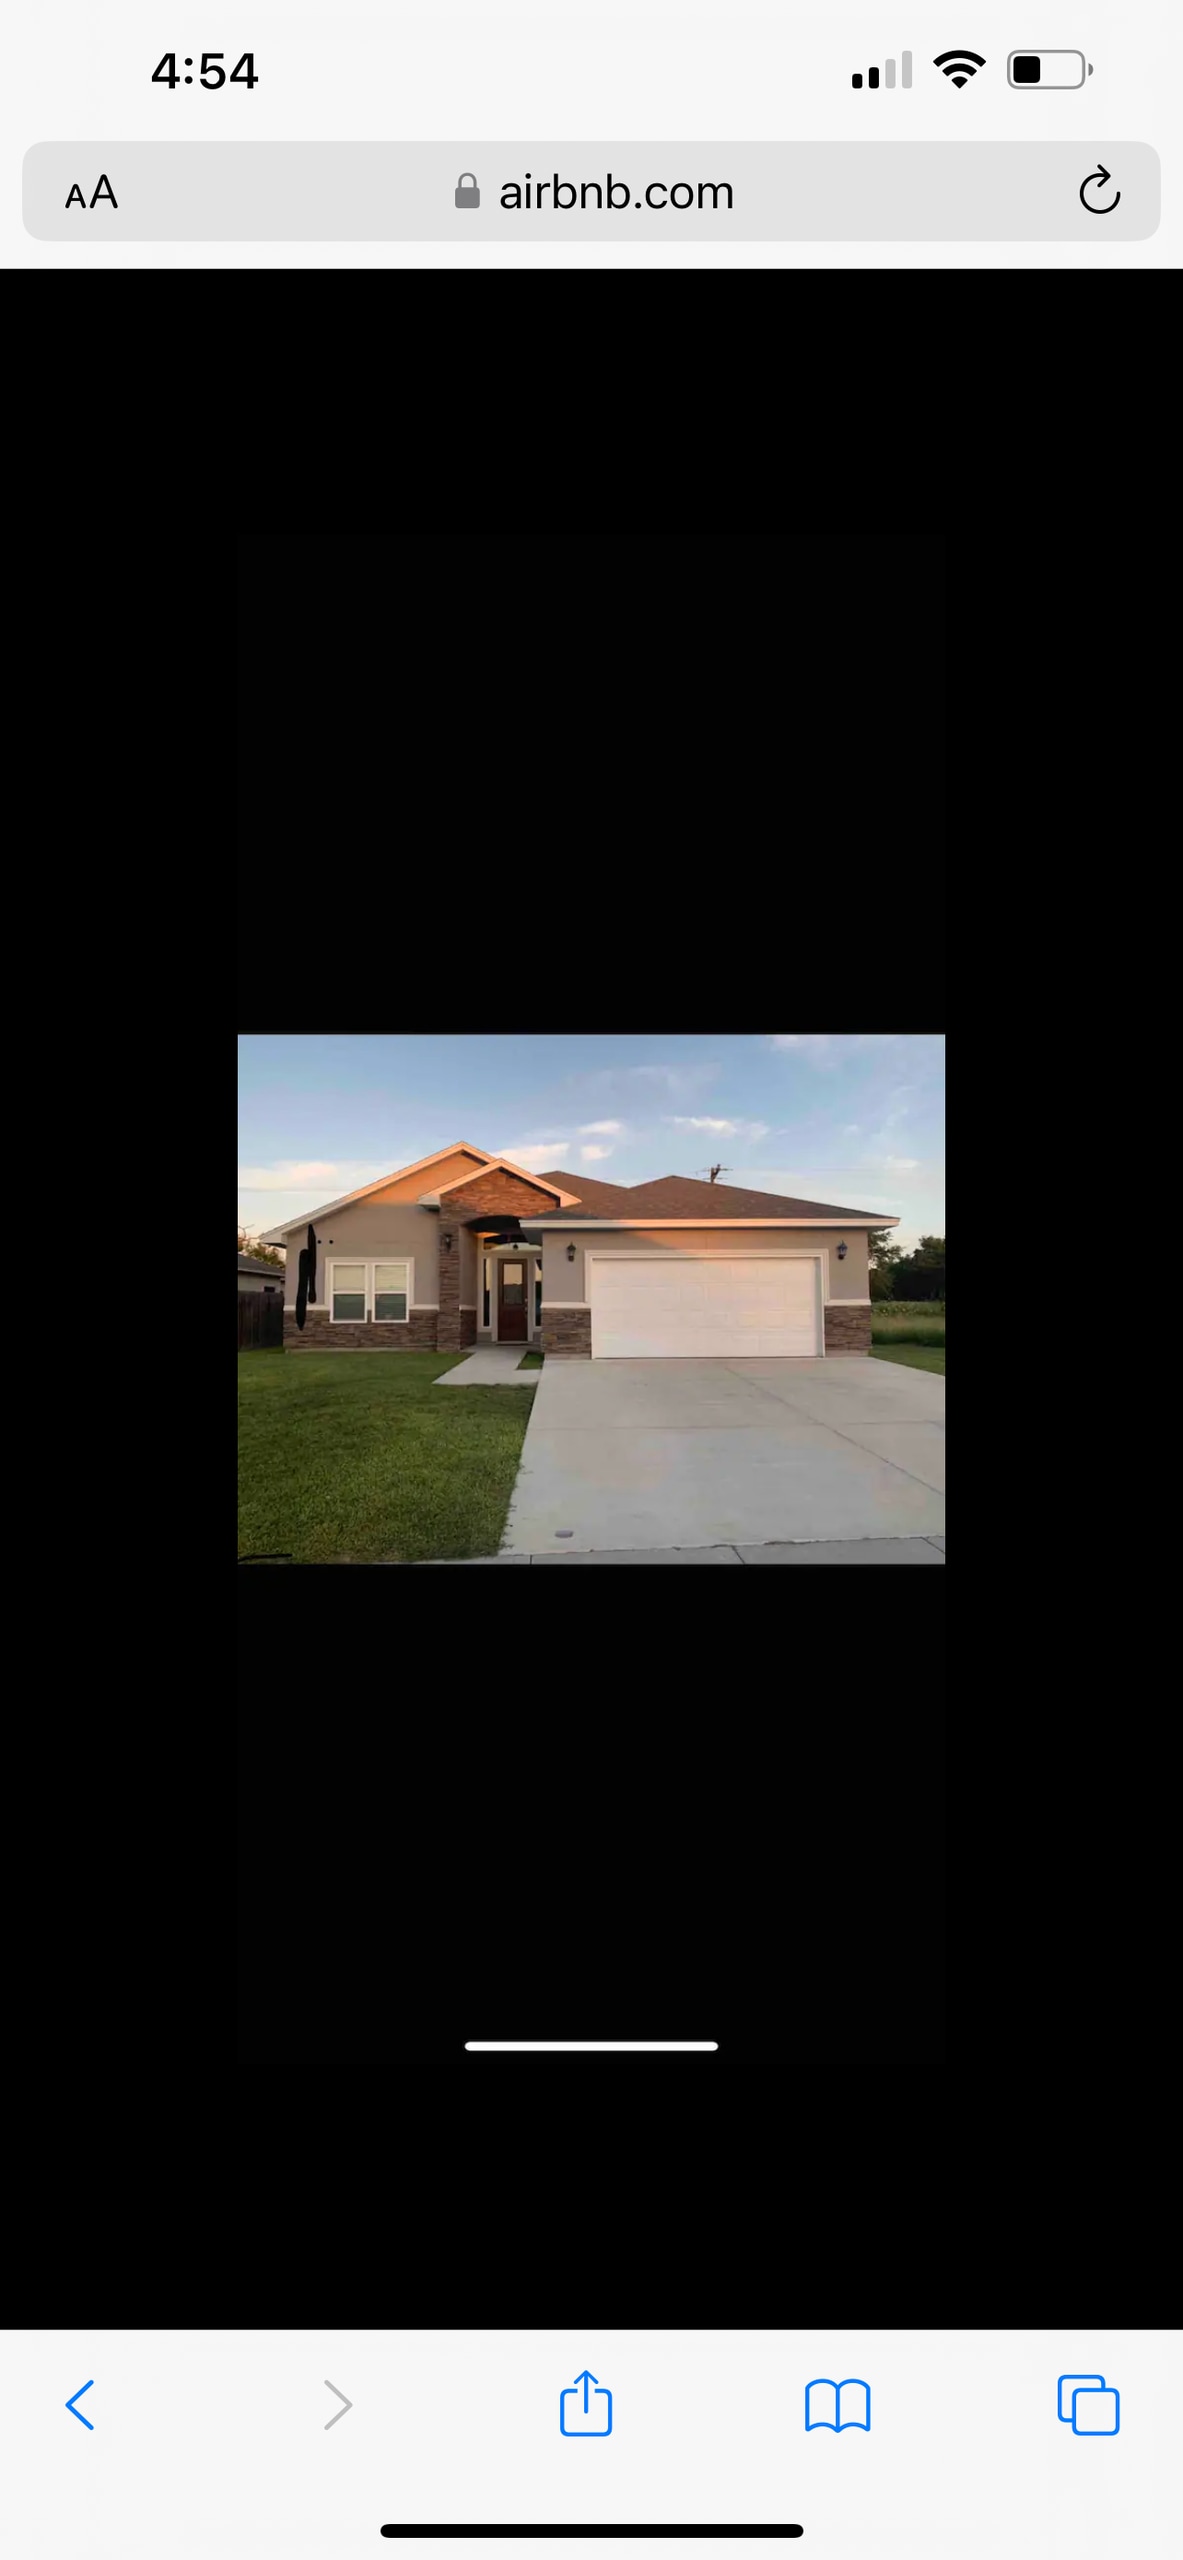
717 1169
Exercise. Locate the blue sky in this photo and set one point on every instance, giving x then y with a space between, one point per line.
857 1118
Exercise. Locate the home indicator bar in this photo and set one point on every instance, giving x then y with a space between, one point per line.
591 2048
596 2532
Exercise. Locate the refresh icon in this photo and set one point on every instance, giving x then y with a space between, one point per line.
1098 177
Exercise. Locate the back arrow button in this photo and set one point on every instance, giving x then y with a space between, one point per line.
339 2413
77 2413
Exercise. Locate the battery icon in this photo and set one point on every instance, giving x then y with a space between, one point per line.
1047 70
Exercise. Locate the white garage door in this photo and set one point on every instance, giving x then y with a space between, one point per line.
689 1306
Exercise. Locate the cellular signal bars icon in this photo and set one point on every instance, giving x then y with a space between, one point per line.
856 77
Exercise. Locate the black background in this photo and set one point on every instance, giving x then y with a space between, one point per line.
570 784
762 1874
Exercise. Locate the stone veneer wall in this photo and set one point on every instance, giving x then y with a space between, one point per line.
565 1329
847 1328
490 1195
448 1336
569 1329
493 1195
417 1334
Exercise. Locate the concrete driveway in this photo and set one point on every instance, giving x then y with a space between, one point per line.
693 1453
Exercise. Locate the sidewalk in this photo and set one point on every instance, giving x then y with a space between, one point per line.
494 1365
802 1551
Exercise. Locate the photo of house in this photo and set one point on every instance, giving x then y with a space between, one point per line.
464 1248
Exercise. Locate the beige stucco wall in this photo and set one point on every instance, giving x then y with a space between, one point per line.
379 1225
433 1177
563 1281
370 1230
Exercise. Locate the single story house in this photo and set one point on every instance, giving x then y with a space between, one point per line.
258 1277
465 1247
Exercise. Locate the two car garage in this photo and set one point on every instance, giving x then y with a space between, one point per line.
705 1306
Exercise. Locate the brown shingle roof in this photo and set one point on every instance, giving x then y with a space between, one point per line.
598 1199
678 1195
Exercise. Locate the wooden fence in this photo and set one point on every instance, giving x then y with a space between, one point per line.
260 1320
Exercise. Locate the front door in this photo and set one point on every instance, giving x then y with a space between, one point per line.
511 1310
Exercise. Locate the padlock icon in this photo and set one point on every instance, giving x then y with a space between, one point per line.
467 196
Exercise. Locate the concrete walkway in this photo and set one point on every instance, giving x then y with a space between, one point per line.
701 1454
803 1551
494 1365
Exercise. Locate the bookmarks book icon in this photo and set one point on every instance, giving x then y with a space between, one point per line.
838 2404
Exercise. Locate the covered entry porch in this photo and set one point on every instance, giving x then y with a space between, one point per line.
509 1285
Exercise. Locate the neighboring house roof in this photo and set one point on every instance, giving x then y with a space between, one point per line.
677 1195
266 1270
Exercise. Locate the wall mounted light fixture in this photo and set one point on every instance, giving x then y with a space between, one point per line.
447 1236
841 1253
570 1253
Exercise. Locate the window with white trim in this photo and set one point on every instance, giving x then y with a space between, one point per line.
391 1292
349 1293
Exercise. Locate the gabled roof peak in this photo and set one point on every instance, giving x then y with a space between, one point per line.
308 1217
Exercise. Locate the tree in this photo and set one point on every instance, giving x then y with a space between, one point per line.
921 1274
883 1257
259 1252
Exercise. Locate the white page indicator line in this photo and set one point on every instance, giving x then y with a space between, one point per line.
591 2048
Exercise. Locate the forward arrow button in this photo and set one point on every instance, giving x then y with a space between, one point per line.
339 2413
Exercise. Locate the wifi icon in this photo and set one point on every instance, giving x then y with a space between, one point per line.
959 65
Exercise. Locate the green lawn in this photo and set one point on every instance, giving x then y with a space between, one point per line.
913 1355
531 1360
352 1457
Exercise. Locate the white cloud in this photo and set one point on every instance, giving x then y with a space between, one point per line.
310 1176
901 1111
680 1080
601 1129
751 1129
851 1129
814 1045
590 1154
902 1164
538 1158
831 1048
